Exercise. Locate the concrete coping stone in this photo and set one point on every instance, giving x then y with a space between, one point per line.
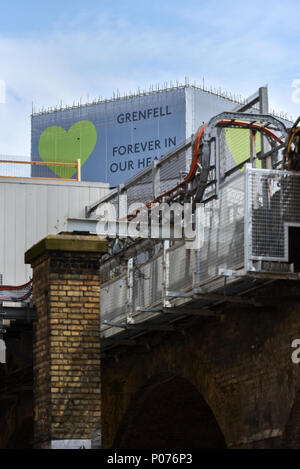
67 243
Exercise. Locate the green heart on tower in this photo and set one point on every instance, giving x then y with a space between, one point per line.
238 142
59 146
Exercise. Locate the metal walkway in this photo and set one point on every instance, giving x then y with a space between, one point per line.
244 245
242 215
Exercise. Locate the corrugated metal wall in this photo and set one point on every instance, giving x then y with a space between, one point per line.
32 209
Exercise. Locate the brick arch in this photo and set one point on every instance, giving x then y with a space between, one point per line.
291 435
169 412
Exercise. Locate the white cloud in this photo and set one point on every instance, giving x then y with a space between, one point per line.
72 62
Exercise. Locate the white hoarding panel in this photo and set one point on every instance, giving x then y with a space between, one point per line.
32 209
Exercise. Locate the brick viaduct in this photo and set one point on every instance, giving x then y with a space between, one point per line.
217 382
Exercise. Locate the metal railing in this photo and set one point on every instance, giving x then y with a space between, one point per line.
154 180
23 169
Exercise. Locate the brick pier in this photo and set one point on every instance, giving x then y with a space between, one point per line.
66 293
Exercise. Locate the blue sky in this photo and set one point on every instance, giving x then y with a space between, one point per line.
65 50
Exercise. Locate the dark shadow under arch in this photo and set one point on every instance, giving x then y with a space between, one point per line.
23 436
291 435
169 412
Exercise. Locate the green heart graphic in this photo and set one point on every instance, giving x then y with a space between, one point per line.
238 142
58 145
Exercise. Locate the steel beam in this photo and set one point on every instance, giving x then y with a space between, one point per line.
118 341
211 297
190 311
140 326
82 225
264 109
20 314
250 102
201 311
